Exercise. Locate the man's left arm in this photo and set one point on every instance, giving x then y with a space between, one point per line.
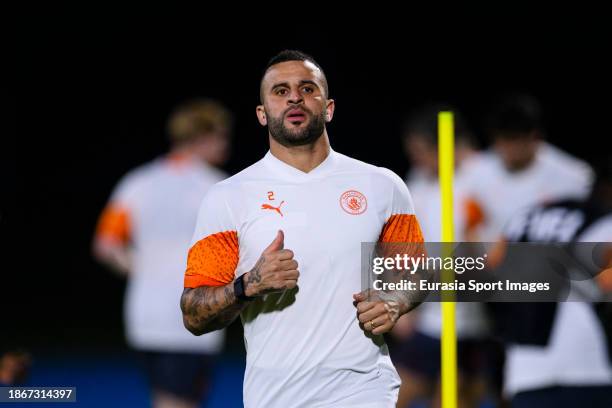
378 311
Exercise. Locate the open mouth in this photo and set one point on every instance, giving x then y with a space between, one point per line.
296 116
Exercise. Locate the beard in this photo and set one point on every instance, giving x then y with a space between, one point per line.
297 137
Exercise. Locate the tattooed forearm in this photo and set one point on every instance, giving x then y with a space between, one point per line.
206 308
212 308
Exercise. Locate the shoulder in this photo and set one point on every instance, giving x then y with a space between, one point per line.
143 171
229 187
213 174
252 173
360 168
483 167
560 162
137 178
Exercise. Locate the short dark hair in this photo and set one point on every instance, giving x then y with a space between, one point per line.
515 114
295 55
424 122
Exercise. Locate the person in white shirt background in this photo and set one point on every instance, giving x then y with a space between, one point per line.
143 234
417 352
559 354
520 170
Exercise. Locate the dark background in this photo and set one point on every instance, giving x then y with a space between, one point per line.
90 96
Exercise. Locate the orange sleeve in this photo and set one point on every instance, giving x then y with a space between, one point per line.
401 228
212 261
474 215
405 231
497 253
114 224
604 279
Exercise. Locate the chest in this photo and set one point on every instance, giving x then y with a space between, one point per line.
324 220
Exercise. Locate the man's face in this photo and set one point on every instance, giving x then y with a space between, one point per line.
517 151
295 107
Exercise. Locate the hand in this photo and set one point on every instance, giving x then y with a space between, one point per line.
375 314
275 271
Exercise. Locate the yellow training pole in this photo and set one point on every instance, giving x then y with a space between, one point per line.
446 165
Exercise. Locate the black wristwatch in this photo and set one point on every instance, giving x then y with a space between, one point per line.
239 289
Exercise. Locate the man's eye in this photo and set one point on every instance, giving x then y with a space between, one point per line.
281 92
308 89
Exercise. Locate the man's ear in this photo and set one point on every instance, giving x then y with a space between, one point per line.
329 110
261 115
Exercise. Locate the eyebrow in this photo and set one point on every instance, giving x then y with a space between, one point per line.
302 82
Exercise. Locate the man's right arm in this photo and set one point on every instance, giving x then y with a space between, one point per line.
209 308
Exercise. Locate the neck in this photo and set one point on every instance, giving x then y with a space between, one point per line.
304 158
181 151
181 156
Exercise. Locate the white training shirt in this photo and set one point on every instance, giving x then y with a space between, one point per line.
154 210
500 194
469 316
305 347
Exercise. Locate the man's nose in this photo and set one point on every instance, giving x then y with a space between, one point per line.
295 97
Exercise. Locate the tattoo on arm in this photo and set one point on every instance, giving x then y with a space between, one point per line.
209 308
254 274
254 278
407 299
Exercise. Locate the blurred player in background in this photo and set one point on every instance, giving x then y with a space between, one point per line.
313 338
144 234
417 352
521 170
559 354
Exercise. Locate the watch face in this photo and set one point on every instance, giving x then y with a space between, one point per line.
239 287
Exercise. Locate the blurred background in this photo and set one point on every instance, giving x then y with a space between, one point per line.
90 100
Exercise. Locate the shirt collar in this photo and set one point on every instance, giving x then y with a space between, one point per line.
285 170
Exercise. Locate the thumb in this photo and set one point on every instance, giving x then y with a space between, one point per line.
277 244
364 295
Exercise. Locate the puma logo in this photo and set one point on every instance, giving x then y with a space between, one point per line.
271 207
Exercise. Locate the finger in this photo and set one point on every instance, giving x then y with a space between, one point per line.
290 283
375 323
365 306
277 244
360 297
288 264
372 313
383 328
292 274
284 254
366 295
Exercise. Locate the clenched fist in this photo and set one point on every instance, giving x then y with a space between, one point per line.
376 312
275 271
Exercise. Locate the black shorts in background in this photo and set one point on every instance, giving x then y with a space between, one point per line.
184 375
420 354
